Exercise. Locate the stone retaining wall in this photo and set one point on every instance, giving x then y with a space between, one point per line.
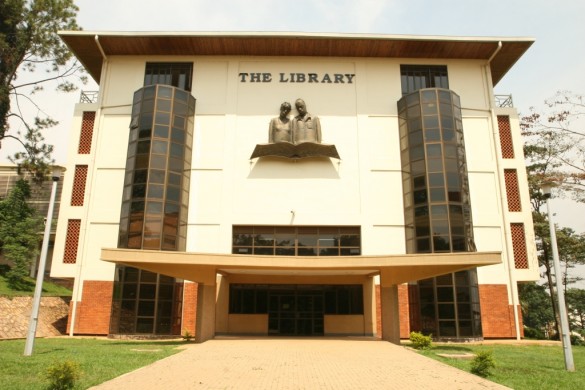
15 315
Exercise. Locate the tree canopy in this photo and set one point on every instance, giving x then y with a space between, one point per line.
29 43
19 227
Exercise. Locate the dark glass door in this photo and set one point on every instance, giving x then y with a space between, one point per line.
296 312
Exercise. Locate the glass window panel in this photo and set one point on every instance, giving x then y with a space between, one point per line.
173 193
349 240
176 165
163 104
178 135
441 243
429 108
329 252
447 329
129 291
242 251
285 251
264 239
161 131
450 150
445 294
179 121
453 180
422 228
413 111
142 161
459 244
434 150
146 308
436 180
420 181
159 147
431 121
155 191
157 176
148 291
158 162
426 294
307 240
441 227
435 165
143 147
162 118
462 278
306 251
446 311
423 245
174 179
454 196
417 153
264 251
417 167
437 195
439 211
139 191
463 295
432 135
177 150
350 251
151 242
140 176
415 138
154 208
144 325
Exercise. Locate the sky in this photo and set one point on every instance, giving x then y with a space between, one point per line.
555 62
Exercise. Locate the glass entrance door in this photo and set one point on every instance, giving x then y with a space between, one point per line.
296 312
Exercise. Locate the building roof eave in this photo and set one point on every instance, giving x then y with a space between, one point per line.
85 46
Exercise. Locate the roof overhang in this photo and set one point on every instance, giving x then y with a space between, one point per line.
395 268
90 47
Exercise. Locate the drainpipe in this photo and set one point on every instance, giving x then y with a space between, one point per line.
511 270
77 284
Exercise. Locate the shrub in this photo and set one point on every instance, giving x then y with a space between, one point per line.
187 336
533 333
63 375
420 341
483 363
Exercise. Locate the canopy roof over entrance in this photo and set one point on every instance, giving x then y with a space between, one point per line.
397 269
93 47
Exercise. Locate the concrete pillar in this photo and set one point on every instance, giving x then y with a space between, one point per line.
205 325
390 316
206 298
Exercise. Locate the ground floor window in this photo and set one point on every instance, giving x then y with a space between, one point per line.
145 303
297 240
447 306
296 309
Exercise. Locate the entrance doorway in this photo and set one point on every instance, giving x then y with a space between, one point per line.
296 312
296 309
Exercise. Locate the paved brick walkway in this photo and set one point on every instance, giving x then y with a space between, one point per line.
287 363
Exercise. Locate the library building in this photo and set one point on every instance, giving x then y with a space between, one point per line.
295 184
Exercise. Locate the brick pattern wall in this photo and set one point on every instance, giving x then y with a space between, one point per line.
71 241
403 310
512 192
86 135
505 131
497 316
378 312
189 308
79 179
519 245
94 309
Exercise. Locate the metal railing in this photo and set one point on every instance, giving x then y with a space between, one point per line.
504 101
88 97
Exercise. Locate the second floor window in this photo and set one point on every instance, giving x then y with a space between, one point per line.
415 77
176 74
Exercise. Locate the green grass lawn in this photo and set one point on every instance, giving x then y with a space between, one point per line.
27 288
521 366
99 359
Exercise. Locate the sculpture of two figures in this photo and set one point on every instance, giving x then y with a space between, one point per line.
296 138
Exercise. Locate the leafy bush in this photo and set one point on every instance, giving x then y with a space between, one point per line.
533 333
63 375
187 336
420 341
483 363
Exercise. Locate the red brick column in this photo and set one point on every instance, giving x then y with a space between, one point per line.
497 316
189 308
403 309
94 309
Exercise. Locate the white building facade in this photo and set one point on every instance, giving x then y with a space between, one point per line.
168 225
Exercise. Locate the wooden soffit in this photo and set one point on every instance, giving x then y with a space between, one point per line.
88 46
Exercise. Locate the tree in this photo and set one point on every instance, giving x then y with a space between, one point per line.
555 144
537 312
555 154
19 226
576 308
28 43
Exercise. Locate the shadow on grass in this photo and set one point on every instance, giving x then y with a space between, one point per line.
450 348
